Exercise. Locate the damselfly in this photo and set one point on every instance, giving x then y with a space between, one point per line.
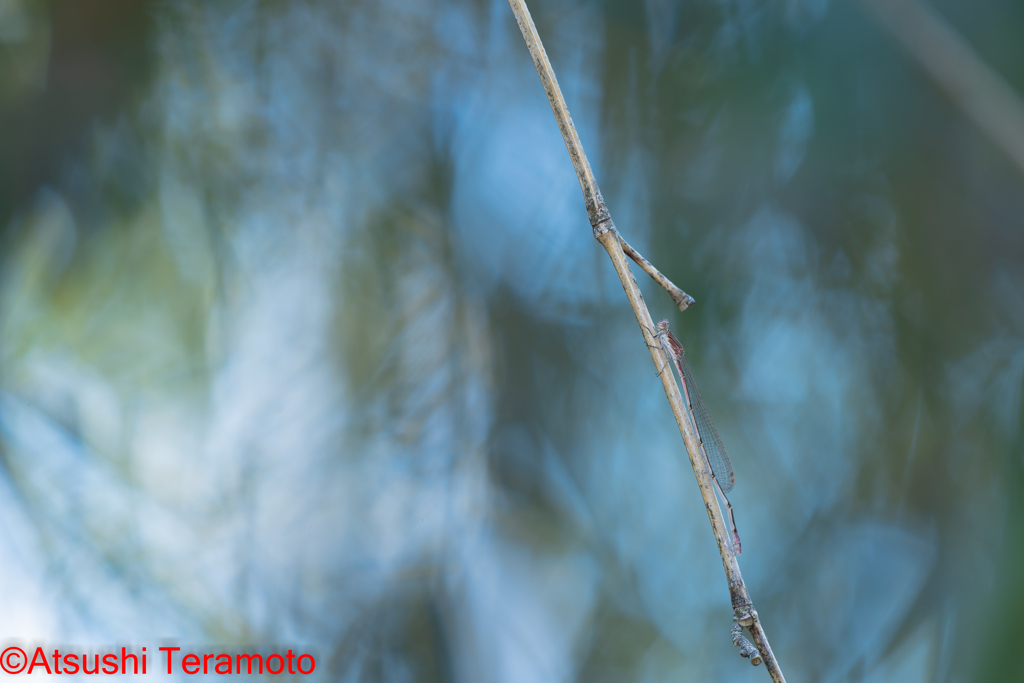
710 442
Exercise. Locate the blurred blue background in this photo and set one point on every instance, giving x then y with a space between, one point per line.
304 337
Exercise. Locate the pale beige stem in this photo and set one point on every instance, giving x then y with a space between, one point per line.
607 235
600 219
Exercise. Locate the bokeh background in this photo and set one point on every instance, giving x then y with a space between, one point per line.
305 340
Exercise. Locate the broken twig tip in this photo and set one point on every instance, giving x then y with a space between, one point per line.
747 649
684 300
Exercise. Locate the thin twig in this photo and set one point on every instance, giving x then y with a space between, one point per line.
607 235
600 219
746 649
682 299
975 88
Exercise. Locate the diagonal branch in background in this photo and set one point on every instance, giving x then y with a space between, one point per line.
605 233
975 88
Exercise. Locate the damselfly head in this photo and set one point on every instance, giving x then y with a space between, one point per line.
663 325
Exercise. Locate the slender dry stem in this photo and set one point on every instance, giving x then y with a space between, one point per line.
607 235
600 219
